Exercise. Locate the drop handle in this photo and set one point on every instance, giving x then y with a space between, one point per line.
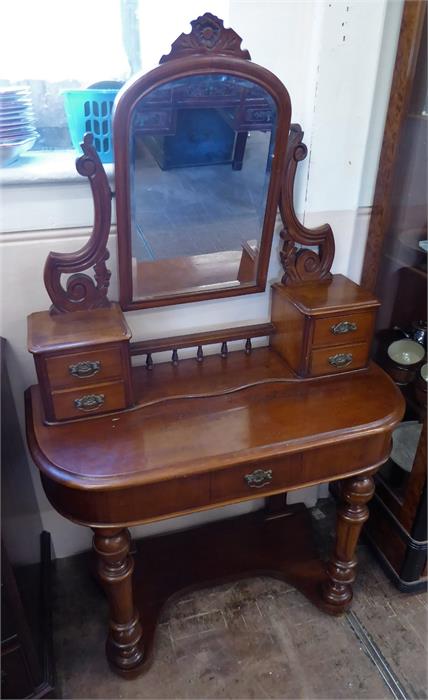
258 478
84 369
342 359
343 327
90 402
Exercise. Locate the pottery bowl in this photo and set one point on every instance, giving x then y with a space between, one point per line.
406 352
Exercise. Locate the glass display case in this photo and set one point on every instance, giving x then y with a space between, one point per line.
396 269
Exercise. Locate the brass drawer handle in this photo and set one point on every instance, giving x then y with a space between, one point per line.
90 402
343 327
342 359
258 478
86 368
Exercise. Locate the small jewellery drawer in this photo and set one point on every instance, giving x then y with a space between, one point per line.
338 359
346 328
253 480
89 399
83 368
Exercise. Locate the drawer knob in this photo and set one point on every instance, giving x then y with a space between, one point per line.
85 369
343 327
90 402
342 359
258 478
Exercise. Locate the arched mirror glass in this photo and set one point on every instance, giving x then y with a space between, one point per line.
201 149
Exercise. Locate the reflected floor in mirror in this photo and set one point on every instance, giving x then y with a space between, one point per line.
198 226
198 209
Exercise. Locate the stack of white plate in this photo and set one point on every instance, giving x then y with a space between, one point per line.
17 125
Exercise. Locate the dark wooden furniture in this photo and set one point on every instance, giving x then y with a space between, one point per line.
209 431
395 268
26 633
27 668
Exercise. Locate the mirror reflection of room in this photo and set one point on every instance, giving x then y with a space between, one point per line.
201 149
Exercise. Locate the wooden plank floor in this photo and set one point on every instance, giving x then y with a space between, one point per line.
257 638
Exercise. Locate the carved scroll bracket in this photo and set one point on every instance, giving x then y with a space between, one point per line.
82 292
208 36
301 264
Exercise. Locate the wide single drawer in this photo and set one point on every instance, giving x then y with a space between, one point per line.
85 401
83 367
346 328
254 479
338 359
131 505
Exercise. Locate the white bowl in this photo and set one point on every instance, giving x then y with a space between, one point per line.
424 372
9 152
406 352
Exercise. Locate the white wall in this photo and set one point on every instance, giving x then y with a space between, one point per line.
336 60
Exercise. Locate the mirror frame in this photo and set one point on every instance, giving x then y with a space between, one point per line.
193 64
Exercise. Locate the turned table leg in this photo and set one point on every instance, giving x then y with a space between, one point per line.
115 565
238 156
352 513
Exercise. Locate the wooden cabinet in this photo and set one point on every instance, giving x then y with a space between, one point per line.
90 376
395 268
323 328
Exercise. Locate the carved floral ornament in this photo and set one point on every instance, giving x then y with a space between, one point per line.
208 35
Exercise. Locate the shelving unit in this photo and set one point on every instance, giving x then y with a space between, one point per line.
395 268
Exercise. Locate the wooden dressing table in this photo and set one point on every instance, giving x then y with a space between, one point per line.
118 445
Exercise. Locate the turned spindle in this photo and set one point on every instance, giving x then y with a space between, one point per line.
115 565
352 513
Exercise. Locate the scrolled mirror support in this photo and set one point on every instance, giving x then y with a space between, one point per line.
301 263
82 291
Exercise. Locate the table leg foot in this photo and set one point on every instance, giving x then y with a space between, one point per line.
238 156
352 513
115 566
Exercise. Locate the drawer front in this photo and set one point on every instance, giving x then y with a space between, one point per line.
344 329
296 470
88 400
254 479
131 505
340 358
83 368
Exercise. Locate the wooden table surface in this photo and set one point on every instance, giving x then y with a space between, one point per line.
193 418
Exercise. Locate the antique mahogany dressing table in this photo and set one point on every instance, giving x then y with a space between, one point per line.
118 445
